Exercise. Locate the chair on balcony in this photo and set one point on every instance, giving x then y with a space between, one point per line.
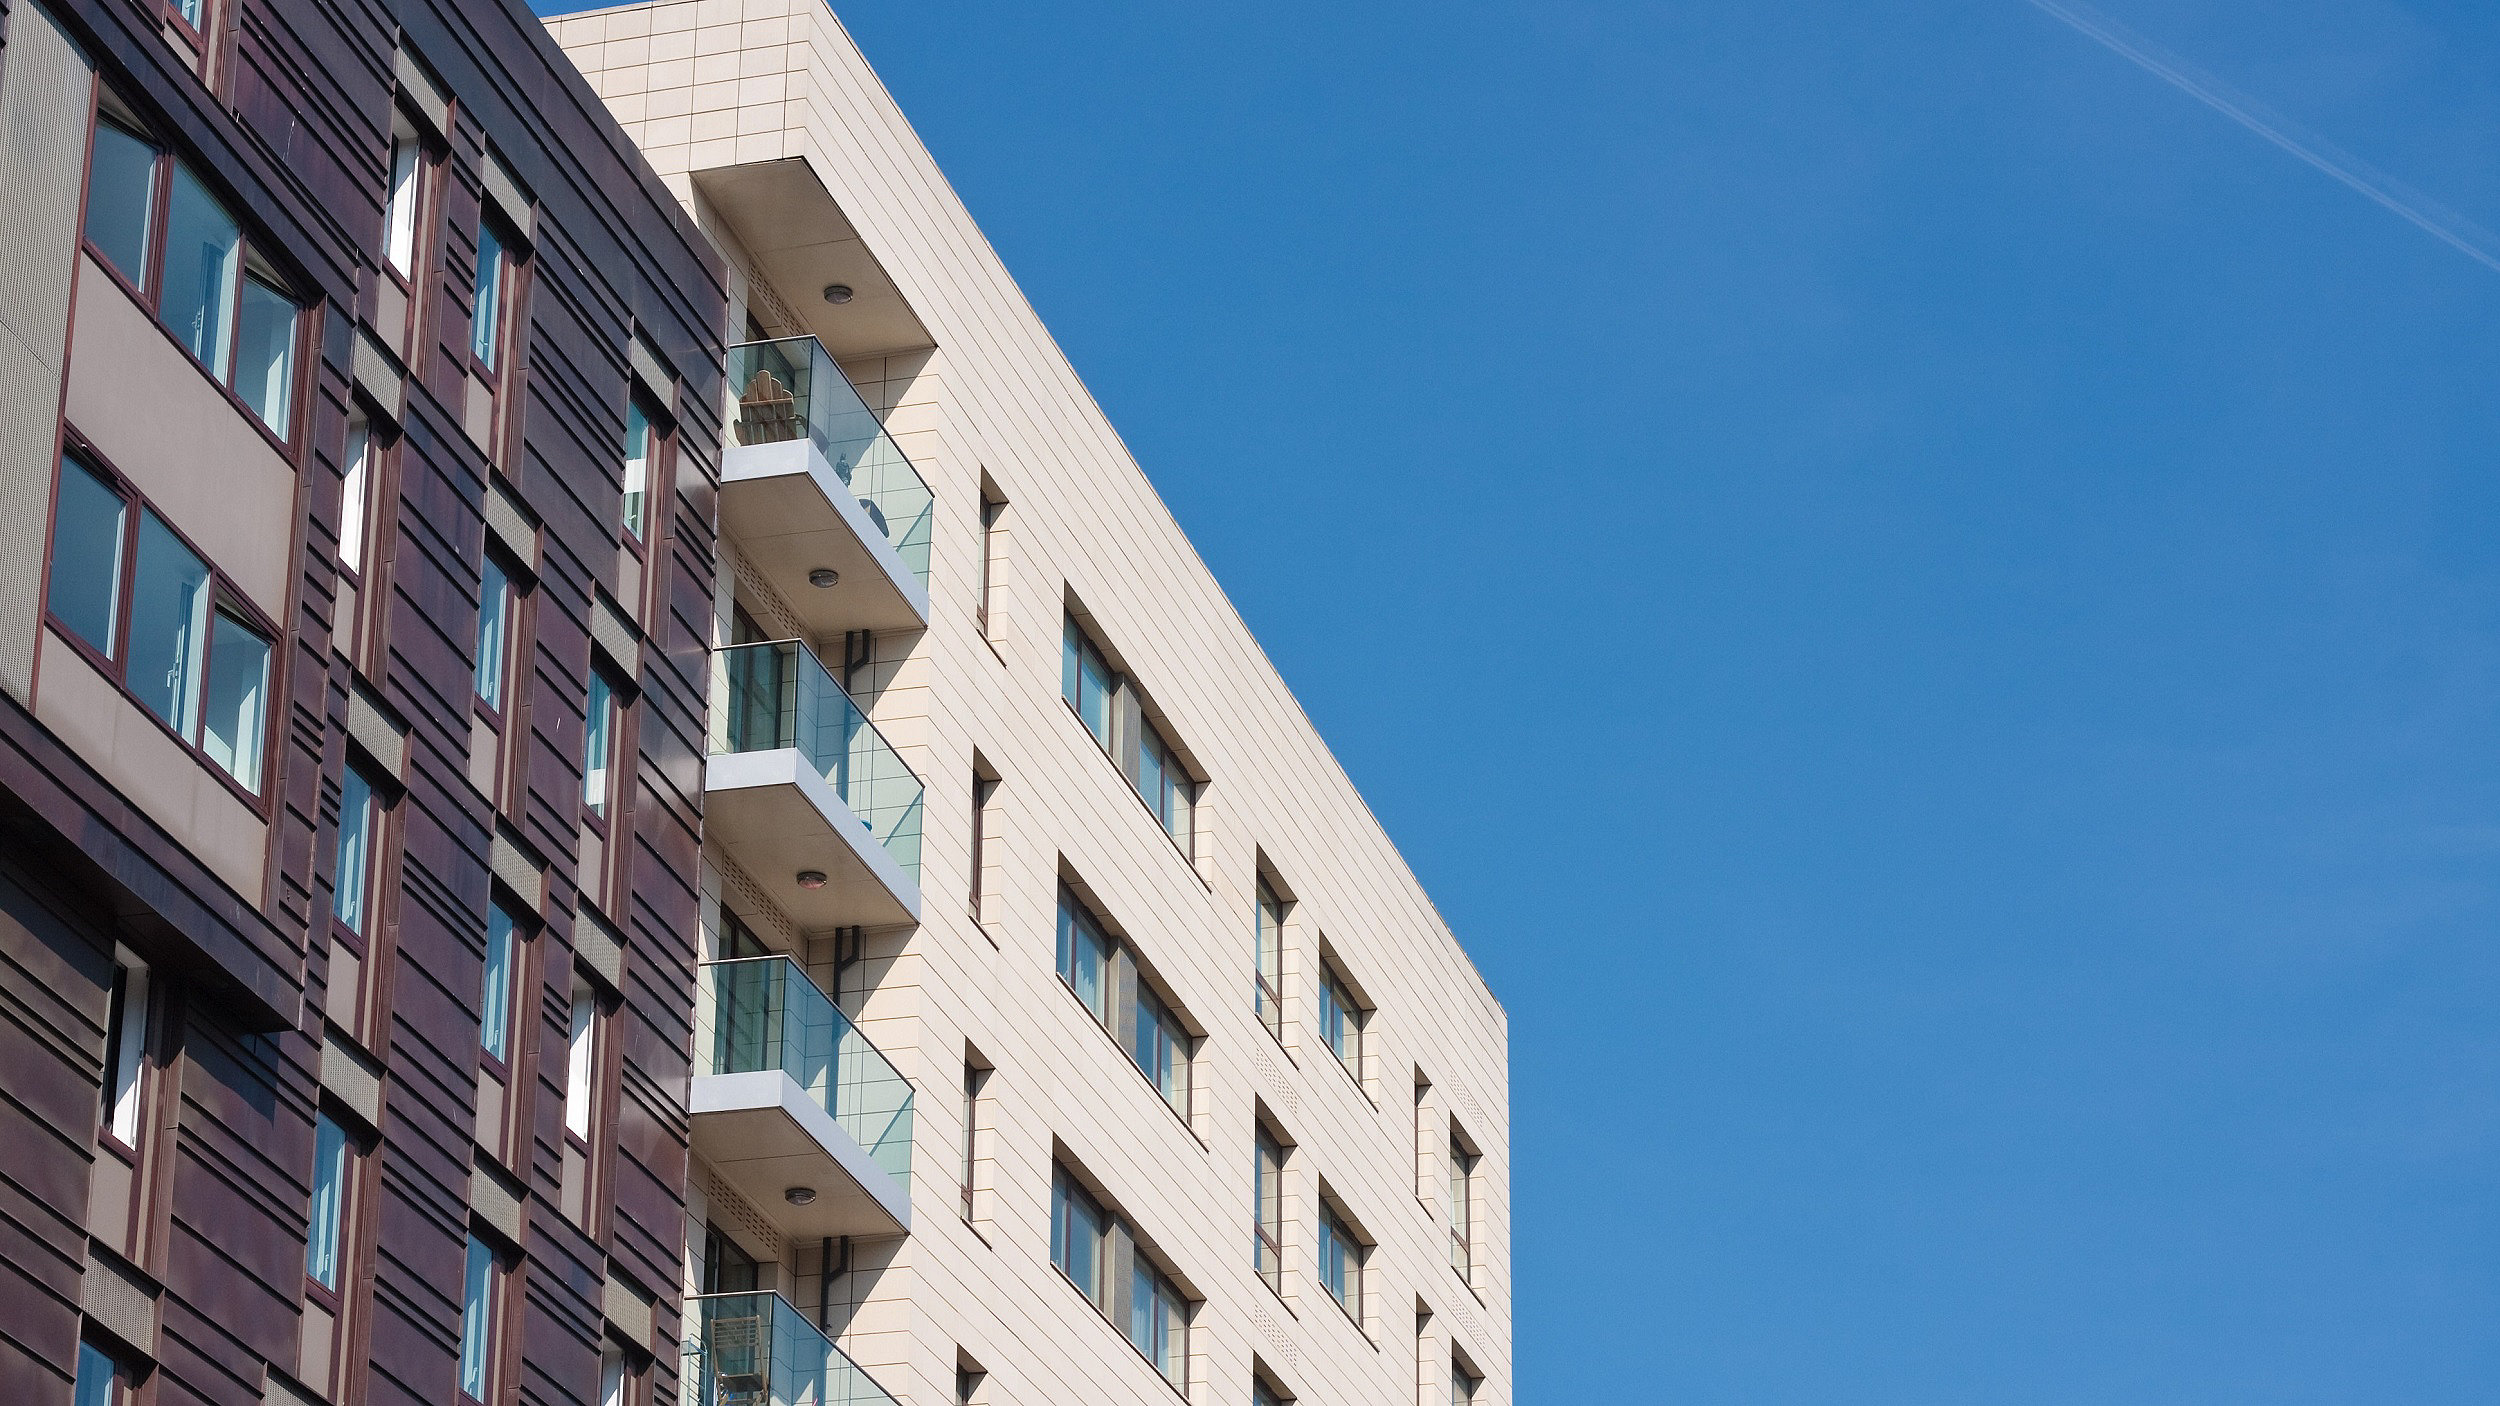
767 412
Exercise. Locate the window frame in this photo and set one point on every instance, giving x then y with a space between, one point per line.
488 1309
128 1053
148 287
347 1206
1268 990
1462 1206
1067 1194
519 929
225 600
1352 1018
1350 1266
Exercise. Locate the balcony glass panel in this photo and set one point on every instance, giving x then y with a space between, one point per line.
774 695
791 389
756 1350
762 1013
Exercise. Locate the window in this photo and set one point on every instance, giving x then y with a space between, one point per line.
399 213
637 465
89 523
1081 1244
494 631
1268 1194
329 1202
99 1378
599 744
486 323
1160 1049
1079 1230
991 510
1261 1394
126 1047
121 199
182 647
728 1269
1340 1020
611 1377
360 823
581 1062
1270 981
1095 965
1085 953
974 1077
1158 1320
983 787
209 285
1085 682
478 1284
503 960
1110 707
1341 1256
355 494
1463 1384
192 13
1462 1208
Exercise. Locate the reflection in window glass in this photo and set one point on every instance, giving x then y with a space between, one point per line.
399 220
477 1308
236 721
494 1010
1340 1262
494 617
1157 1321
265 353
580 1065
354 870
121 199
190 10
1084 952
1085 681
329 1201
598 741
486 322
637 465
353 493
94 1386
87 556
203 255
1269 982
1340 1021
1161 1049
1077 1230
169 610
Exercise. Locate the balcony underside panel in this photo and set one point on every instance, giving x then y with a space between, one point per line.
777 817
763 1134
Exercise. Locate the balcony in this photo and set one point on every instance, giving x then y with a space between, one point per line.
754 1349
787 1094
811 481
806 794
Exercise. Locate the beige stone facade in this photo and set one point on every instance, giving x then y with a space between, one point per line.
951 632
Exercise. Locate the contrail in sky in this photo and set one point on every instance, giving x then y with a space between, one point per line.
2445 225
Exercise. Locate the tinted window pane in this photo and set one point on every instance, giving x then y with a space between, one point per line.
476 1311
494 610
203 254
95 1377
265 355
321 1249
494 1019
598 740
121 200
169 599
399 221
637 465
486 323
355 853
237 716
87 556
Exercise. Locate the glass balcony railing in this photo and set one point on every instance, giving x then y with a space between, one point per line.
754 1349
762 1013
791 389
766 696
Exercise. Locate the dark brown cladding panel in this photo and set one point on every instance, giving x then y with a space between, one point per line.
296 132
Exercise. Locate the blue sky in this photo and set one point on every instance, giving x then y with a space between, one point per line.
1928 607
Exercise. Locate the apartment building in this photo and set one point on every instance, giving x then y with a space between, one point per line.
358 451
1068 1030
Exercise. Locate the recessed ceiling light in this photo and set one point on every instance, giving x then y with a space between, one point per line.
822 577
837 292
811 878
798 1195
